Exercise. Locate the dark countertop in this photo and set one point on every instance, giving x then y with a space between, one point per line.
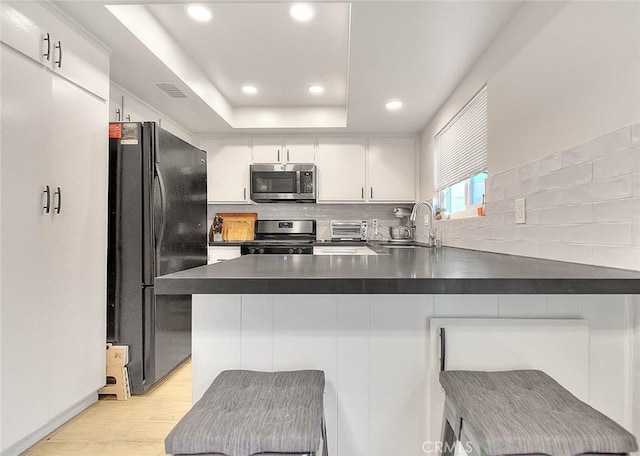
444 270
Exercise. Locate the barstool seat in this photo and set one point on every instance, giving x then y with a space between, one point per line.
524 412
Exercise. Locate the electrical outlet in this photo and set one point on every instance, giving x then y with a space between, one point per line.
521 213
374 222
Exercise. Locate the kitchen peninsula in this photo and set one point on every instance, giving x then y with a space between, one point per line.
367 321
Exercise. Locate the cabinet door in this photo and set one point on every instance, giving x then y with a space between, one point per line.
27 313
341 170
300 150
23 31
228 163
391 170
267 150
78 59
77 242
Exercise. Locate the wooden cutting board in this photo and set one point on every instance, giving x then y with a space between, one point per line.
238 226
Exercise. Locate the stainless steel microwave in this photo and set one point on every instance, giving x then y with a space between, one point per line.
285 183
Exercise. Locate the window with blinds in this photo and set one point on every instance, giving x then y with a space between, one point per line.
461 146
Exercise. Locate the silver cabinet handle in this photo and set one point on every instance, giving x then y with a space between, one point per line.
47 204
128 117
47 54
59 48
244 193
288 159
371 192
58 206
278 155
362 192
118 114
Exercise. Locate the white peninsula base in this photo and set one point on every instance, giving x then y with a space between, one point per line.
376 352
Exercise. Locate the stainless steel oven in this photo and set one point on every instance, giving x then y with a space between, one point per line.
288 183
281 237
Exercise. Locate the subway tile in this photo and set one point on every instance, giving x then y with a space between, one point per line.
636 184
598 233
528 187
601 190
574 253
509 233
635 135
542 200
624 210
571 176
549 163
521 248
539 233
625 162
494 194
582 213
499 207
603 146
617 257
528 171
522 306
513 190
635 235
494 220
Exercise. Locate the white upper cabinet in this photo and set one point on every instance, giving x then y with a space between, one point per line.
51 40
287 150
391 168
228 163
341 170
300 150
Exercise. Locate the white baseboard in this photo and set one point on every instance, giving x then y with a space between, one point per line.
52 425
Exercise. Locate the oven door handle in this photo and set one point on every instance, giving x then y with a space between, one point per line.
298 182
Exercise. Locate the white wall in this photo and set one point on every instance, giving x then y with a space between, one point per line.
560 74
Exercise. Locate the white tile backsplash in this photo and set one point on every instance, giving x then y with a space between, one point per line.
583 205
618 164
598 234
622 210
635 135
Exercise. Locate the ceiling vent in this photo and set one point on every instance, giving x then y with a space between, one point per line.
170 89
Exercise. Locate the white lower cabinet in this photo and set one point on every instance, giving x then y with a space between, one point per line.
343 250
218 254
53 264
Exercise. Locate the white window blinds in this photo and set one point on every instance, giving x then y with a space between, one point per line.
461 146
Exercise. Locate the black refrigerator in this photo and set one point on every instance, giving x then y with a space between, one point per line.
157 225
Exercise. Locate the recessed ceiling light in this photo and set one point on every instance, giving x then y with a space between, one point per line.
301 12
199 13
393 105
249 89
316 89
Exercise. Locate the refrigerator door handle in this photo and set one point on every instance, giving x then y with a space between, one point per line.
163 206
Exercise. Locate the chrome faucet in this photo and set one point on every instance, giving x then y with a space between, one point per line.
432 230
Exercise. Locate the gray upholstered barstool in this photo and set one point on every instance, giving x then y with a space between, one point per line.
524 412
247 413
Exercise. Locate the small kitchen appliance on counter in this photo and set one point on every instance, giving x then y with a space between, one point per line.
349 230
406 230
281 237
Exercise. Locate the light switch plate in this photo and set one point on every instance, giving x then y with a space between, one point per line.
521 213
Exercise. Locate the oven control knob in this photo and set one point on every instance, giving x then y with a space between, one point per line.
252 250
291 250
261 250
299 249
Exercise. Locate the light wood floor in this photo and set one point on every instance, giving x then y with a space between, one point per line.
134 427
